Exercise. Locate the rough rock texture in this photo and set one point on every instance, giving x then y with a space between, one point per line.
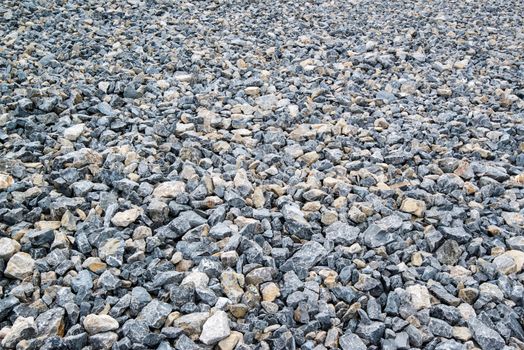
233 174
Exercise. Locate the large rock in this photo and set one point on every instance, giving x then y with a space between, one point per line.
511 261
170 189
23 328
486 337
95 324
20 266
126 217
382 232
307 256
215 328
342 233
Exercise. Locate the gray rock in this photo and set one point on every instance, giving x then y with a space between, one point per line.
351 342
155 313
308 255
342 233
485 336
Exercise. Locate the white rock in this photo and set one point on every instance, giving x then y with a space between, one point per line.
420 296
8 247
125 218
73 132
169 189
94 324
215 328
199 279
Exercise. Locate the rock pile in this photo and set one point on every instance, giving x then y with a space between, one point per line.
261 175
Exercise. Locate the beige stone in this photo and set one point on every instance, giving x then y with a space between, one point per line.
20 266
231 341
169 189
125 218
8 247
413 206
6 181
270 291
95 324
461 333
511 261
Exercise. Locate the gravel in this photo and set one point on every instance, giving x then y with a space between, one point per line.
261 175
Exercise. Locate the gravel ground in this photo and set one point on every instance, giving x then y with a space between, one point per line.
261 175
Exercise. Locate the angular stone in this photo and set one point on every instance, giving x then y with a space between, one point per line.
413 206
126 218
342 233
420 297
511 261
308 255
155 313
215 328
449 252
23 328
191 324
382 232
8 247
51 323
232 284
487 338
295 222
20 266
242 183
72 133
170 189
230 342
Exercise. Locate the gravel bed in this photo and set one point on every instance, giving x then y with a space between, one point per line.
261 175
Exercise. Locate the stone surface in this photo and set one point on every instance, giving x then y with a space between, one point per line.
95 324
126 217
315 175
215 328
20 266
